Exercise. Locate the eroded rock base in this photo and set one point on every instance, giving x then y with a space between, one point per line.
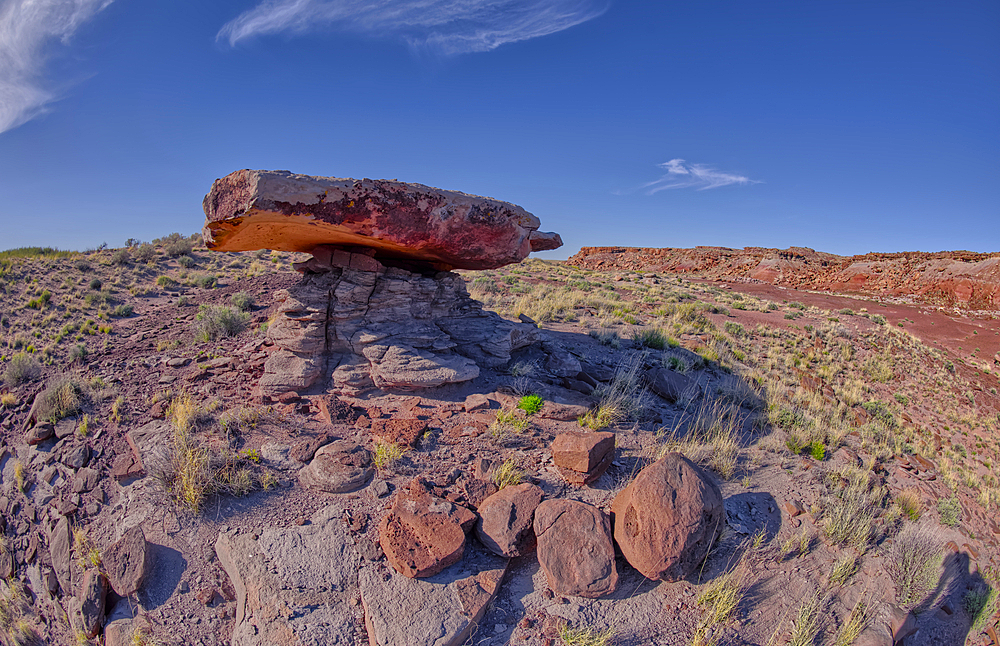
352 324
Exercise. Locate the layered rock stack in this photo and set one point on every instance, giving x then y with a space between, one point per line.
377 306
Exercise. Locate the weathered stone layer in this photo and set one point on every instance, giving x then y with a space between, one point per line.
354 324
256 209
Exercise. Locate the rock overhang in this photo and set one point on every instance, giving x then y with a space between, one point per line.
284 211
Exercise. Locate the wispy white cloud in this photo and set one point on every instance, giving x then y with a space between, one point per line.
681 174
446 26
27 28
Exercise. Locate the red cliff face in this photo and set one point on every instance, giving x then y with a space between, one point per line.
950 278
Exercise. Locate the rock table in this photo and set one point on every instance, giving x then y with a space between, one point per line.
257 209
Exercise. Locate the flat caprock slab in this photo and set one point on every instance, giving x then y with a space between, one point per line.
257 209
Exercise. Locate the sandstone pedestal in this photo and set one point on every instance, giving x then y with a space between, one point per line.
354 324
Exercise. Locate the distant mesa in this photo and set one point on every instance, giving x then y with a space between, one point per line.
257 209
962 279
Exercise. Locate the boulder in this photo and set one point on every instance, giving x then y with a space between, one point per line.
402 432
38 434
338 467
423 534
85 480
668 518
294 585
127 562
583 456
442 610
668 384
560 362
77 456
256 209
92 595
505 520
575 548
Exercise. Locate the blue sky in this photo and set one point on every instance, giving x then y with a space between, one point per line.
843 126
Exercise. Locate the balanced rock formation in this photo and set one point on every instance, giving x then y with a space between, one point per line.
256 209
668 518
505 523
575 548
423 534
377 307
583 456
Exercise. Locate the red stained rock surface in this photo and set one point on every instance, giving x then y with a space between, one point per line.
422 534
256 209
575 549
667 518
505 520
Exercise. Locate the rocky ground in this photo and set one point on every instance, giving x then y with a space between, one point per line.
840 444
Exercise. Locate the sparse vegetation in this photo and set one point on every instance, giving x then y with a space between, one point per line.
216 322
912 561
387 454
585 636
507 474
950 510
530 404
21 368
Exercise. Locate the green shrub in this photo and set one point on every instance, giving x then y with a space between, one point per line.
145 252
530 404
877 319
735 329
95 283
82 265
78 352
653 338
902 399
817 450
950 510
912 561
880 412
215 322
22 368
207 281
243 301
166 282
122 310
186 261
120 257
176 245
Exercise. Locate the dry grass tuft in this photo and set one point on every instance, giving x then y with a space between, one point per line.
912 562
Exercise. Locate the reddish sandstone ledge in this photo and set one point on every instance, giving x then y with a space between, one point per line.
256 209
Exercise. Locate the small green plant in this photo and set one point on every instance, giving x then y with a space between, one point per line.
122 311
817 450
20 476
902 399
909 503
83 429
982 604
506 422
387 453
806 625
95 283
208 281
253 455
60 399
606 337
8 400
845 567
950 510
530 404
243 301
861 615
166 282
735 329
507 474
186 262
78 352
585 636
654 338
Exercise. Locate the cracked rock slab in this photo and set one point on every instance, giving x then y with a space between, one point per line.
293 584
442 610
